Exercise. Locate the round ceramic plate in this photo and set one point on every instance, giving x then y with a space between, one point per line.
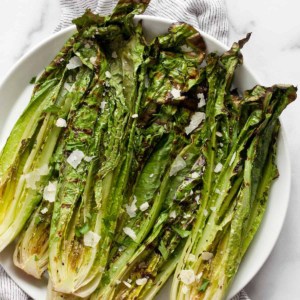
15 94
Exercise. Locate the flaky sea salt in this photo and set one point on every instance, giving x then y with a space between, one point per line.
144 206
207 255
74 63
232 159
91 239
178 164
75 158
131 209
60 122
175 93
44 210
128 231
107 74
218 168
196 120
187 276
49 192
141 281
173 214
202 101
93 60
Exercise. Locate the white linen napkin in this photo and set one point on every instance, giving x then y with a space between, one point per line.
207 15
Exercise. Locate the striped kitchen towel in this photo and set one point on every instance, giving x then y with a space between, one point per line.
207 15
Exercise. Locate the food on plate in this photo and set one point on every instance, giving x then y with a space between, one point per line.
136 159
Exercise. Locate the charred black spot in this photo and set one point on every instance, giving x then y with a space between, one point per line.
197 41
87 131
66 205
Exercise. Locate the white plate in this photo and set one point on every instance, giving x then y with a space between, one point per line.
15 94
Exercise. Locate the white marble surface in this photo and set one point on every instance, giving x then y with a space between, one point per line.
274 54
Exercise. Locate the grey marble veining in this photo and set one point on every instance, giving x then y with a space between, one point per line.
35 29
273 53
23 24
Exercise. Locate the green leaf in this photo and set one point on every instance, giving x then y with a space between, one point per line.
163 250
79 231
106 278
204 285
181 232
32 80
37 220
84 229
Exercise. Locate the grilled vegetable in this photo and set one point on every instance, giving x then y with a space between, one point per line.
32 256
25 159
230 191
135 159
152 186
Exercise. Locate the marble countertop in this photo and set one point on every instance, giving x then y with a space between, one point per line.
274 54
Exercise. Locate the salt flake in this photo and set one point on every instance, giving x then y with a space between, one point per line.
131 209
175 93
173 214
128 231
44 210
146 81
91 239
50 191
202 101
67 86
107 74
102 105
187 276
127 284
186 48
196 120
33 177
144 206
207 255
60 122
195 175
232 159
191 257
93 60
178 164
141 281
75 158
218 168
185 289
74 63
88 158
